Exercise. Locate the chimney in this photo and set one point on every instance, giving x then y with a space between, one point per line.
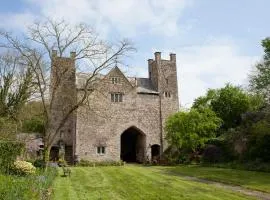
157 56
54 53
173 57
72 55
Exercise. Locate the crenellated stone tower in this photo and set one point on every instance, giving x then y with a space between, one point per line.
163 76
63 98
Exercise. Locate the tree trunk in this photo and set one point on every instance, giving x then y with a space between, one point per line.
46 155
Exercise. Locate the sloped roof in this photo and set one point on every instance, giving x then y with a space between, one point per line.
145 86
82 77
142 85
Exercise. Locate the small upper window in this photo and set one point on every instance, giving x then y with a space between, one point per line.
101 150
167 94
115 80
116 97
61 134
167 81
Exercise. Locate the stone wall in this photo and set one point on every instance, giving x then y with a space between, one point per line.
63 96
101 122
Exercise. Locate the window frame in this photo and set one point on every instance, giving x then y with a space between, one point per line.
167 94
101 150
115 80
117 97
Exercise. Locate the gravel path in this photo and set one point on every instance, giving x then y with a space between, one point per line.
254 193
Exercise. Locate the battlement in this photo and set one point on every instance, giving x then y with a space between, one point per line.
55 53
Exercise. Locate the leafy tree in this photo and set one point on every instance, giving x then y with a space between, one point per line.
15 84
229 103
205 101
191 130
259 138
266 46
32 118
259 78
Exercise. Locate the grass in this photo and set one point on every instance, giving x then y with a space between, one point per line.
133 182
32 187
248 179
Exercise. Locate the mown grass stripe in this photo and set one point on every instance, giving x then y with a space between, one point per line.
134 182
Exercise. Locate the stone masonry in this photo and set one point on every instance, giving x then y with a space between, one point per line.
124 117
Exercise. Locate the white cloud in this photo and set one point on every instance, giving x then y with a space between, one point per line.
210 65
128 17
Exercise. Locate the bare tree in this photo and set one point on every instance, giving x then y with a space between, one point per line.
94 54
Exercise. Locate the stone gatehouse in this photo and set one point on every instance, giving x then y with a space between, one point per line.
123 117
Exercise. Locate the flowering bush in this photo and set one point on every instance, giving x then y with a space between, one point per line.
24 168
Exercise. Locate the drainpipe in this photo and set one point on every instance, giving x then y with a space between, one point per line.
160 125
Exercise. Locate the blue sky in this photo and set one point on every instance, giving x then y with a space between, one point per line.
215 41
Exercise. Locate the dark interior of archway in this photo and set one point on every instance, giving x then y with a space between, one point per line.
54 153
155 151
129 144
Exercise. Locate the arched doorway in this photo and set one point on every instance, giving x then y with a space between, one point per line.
155 152
133 145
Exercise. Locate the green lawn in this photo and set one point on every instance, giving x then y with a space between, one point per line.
134 182
248 179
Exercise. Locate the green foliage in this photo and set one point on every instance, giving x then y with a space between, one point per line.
8 153
86 163
33 125
259 140
32 117
205 101
34 187
190 130
229 103
8 129
23 168
266 46
15 85
259 78
39 163
218 150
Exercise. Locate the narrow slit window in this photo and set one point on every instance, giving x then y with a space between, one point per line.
167 94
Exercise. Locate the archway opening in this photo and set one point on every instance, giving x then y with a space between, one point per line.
155 152
54 153
132 145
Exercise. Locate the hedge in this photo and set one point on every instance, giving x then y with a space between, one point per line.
9 150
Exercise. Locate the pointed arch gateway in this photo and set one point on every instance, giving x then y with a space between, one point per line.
133 143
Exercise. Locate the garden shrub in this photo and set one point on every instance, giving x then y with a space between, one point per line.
33 125
86 163
223 148
174 156
23 168
212 154
34 187
40 163
8 154
259 148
